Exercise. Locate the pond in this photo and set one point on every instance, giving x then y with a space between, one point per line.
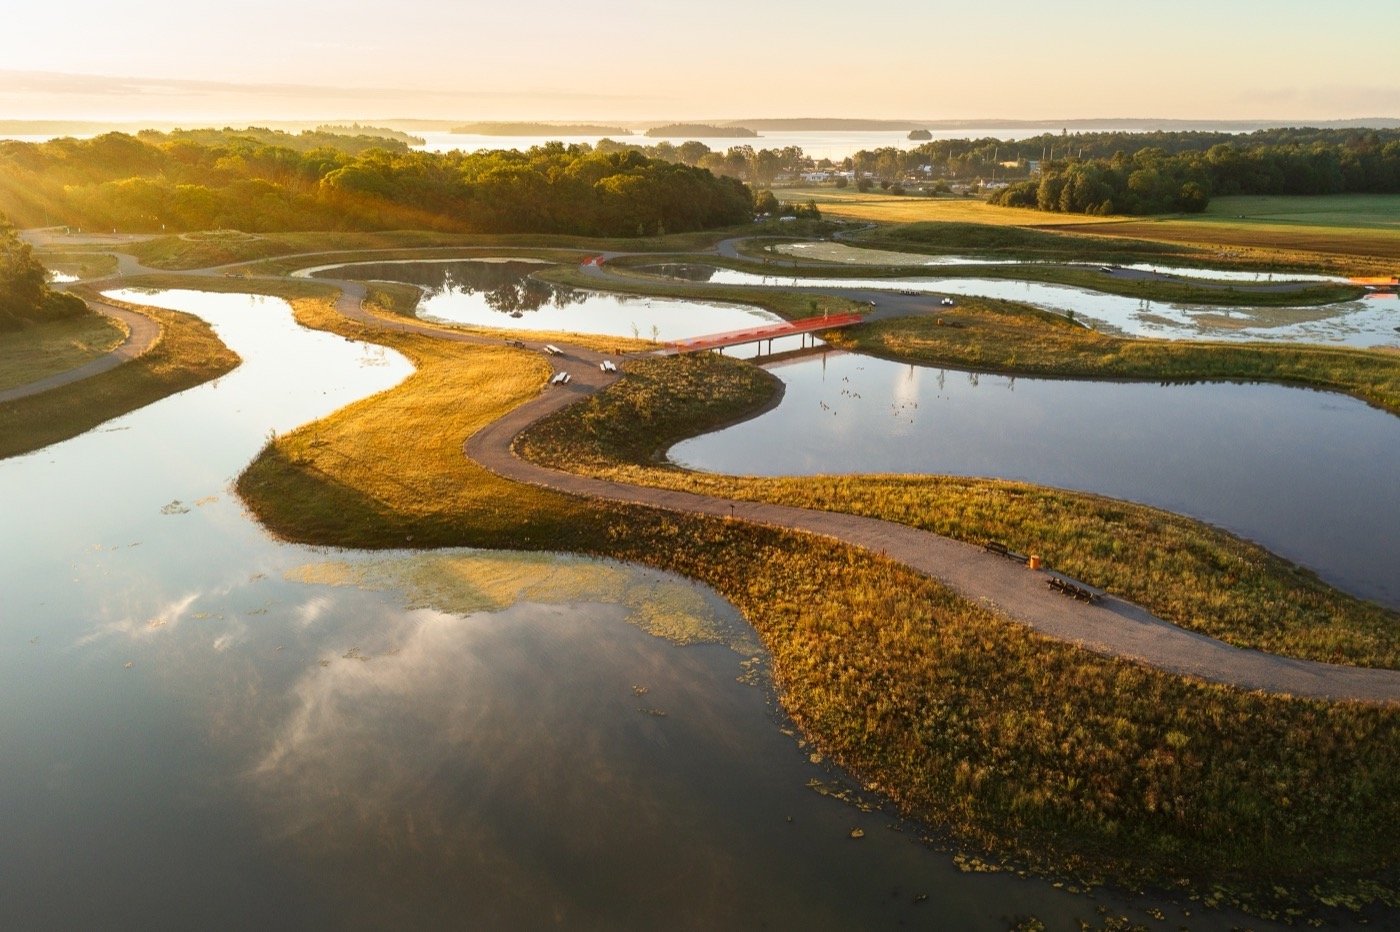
1310 475
501 293
207 728
858 255
1368 322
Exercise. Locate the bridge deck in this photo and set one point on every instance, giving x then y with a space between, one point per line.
766 332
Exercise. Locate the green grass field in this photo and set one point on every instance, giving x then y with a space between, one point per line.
1357 233
879 207
1344 211
1352 233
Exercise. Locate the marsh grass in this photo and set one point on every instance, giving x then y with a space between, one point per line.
1003 336
1198 293
187 354
195 251
1047 755
1180 569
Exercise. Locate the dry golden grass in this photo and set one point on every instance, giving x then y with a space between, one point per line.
187 354
1041 752
46 349
877 207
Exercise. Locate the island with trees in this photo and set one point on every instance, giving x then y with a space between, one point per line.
700 131
550 130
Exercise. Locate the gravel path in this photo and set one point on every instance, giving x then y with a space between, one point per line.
142 332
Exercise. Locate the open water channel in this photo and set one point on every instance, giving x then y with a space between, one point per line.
1369 322
206 728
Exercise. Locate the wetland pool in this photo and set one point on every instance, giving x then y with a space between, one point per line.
205 727
1369 322
857 255
1310 475
501 293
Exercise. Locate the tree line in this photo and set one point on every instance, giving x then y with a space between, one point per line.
177 182
25 295
1153 181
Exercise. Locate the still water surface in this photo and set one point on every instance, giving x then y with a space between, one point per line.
501 293
1310 475
206 728
856 255
1364 323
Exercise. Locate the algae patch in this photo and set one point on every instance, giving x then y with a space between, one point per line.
465 583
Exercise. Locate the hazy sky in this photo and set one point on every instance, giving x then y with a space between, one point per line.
625 60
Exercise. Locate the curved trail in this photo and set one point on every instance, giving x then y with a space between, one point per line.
1111 626
142 332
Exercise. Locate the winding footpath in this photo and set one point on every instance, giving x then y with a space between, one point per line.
1110 626
142 332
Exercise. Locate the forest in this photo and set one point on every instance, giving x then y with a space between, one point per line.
1153 181
190 181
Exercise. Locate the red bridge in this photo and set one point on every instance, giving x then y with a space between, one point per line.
769 332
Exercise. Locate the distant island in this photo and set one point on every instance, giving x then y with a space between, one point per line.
540 129
701 131
921 135
355 129
828 125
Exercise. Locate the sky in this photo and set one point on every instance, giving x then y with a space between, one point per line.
625 60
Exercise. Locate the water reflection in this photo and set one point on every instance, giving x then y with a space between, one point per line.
207 728
504 285
857 255
500 293
1365 323
1308 474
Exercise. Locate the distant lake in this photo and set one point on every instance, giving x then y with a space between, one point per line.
830 144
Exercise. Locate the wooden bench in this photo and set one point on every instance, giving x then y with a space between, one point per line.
1073 588
1001 550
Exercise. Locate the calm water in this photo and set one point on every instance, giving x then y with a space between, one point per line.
501 293
856 255
1366 323
205 728
1310 475
823 144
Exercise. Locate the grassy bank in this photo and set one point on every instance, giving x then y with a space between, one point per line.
1198 292
46 349
1355 233
786 304
1005 337
1180 569
187 354
1042 753
202 250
